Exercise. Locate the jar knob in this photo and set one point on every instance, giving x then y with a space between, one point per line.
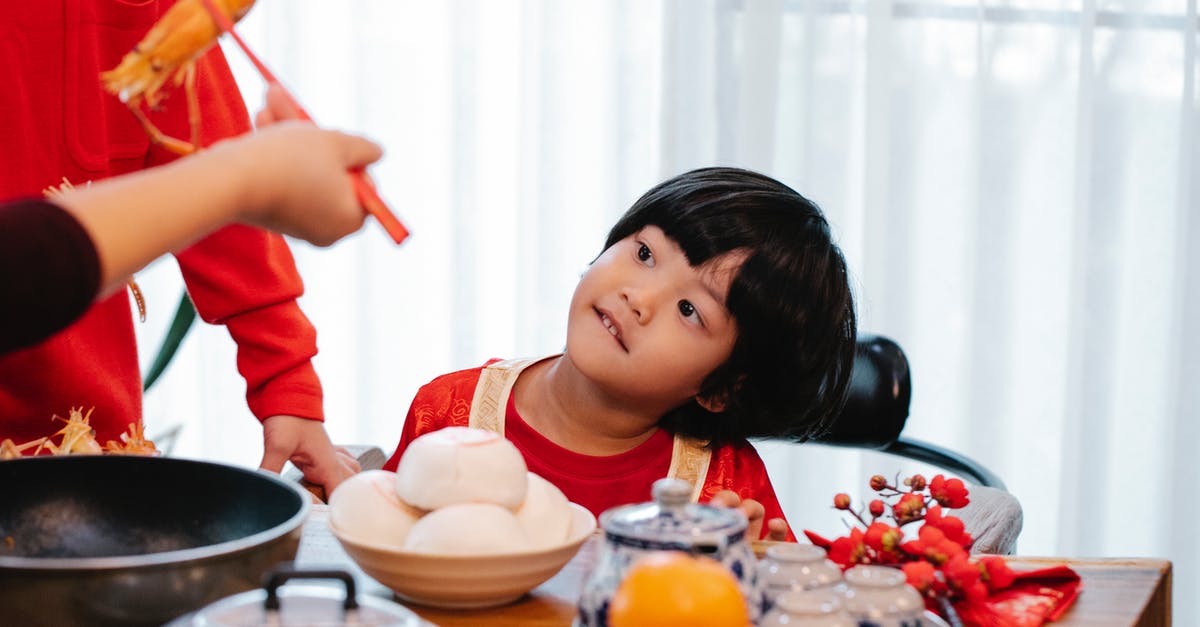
672 493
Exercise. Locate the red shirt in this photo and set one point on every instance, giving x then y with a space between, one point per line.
57 122
597 483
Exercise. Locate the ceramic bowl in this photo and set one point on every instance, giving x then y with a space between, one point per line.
467 581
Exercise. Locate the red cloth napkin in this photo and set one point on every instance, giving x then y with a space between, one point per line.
1034 598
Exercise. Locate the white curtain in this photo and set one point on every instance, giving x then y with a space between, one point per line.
1013 184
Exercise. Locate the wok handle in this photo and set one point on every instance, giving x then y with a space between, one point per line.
287 570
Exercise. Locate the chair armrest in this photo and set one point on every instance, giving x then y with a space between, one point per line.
956 463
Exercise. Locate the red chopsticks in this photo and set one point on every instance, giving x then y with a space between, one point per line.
364 189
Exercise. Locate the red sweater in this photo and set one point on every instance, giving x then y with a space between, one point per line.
56 121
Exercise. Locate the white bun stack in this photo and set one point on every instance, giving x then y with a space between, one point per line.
545 515
461 465
367 507
456 491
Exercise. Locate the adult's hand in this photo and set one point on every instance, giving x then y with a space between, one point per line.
306 444
296 179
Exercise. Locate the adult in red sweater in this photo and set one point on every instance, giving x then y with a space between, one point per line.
58 123
86 242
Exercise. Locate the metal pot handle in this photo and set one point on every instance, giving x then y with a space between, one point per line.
287 570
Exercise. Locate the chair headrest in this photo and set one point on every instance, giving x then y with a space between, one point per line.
878 396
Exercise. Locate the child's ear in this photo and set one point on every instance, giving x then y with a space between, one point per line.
717 401
714 404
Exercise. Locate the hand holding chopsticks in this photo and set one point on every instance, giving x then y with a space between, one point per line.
364 188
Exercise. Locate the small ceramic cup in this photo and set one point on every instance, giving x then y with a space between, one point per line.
881 595
820 607
794 567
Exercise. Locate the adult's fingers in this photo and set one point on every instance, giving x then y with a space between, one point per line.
279 105
347 458
273 460
359 152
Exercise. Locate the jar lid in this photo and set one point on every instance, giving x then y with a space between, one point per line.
673 522
875 576
303 604
810 602
796 552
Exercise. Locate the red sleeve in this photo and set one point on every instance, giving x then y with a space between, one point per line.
51 248
738 467
245 278
443 402
406 436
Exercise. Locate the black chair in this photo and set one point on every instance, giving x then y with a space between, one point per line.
877 409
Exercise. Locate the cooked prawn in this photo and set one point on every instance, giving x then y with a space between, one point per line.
12 450
77 435
169 52
171 48
133 442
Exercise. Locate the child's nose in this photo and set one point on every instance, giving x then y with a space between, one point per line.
641 300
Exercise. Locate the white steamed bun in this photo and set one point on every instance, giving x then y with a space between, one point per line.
461 465
367 507
545 515
468 529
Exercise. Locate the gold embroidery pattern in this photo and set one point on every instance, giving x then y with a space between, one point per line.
491 394
689 457
689 461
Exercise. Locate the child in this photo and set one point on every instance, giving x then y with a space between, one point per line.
719 310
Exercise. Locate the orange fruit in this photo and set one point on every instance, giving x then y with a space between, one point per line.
674 588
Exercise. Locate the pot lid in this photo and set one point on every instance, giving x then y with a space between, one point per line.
302 604
672 521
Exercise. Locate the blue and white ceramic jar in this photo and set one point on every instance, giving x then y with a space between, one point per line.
670 523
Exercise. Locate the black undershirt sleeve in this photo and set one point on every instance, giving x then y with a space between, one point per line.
49 271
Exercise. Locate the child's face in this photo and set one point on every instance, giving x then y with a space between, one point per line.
646 326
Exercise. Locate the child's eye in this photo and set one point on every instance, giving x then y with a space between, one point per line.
645 256
688 310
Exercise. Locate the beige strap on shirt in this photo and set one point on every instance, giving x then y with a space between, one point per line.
689 456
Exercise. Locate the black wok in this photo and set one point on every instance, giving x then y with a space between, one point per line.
94 540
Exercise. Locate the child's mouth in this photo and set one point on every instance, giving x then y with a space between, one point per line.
612 327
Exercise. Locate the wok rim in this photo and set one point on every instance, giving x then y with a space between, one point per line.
10 564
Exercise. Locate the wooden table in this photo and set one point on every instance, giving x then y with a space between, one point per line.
1116 592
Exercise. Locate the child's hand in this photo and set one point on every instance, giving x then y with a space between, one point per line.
777 528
